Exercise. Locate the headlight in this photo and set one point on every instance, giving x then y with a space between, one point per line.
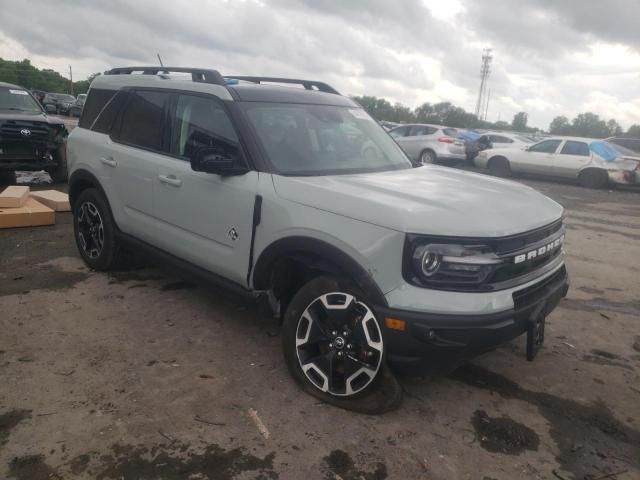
448 264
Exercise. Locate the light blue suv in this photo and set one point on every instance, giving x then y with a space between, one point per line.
297 197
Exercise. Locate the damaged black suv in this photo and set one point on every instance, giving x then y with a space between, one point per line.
29 139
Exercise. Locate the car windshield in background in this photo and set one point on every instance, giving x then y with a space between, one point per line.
323 140
524 139
18 100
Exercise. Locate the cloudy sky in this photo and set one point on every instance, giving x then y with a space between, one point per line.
551 56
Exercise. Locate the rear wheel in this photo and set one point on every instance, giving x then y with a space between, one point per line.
95 231
334 347
593 178
428 157
499 166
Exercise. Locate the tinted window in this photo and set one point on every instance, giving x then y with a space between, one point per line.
95 102
422 130
143 119
400 132
201 123
548 146
106 118
576 148
451 132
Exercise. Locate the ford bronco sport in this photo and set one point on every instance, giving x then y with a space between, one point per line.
29 138
298 197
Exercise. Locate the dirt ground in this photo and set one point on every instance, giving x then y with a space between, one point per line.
145 375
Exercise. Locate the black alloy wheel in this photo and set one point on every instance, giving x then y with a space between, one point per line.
339 344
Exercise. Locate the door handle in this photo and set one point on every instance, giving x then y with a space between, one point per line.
170 180
108 161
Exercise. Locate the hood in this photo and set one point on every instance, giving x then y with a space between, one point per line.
29 117
428 200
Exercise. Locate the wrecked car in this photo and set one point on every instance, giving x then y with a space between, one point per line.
593 163
29 138
297 198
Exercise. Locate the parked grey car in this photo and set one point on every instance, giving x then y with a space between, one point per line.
426 144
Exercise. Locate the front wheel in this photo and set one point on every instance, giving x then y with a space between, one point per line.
499 167
334 347
594 178
95 231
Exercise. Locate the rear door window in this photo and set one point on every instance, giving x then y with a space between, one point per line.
143 120
548 146
575 148
400 132
422 130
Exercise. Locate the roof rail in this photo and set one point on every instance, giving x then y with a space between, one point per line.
307 84
197 74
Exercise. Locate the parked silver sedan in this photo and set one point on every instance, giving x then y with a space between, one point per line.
594 163
425 143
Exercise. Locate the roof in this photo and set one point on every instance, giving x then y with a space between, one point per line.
240 90
249 92
11 85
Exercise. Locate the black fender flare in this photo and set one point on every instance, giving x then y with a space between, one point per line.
328 257
80 180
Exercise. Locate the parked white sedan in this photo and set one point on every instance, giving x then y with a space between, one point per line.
594 163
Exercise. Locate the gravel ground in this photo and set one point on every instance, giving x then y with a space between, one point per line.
143 374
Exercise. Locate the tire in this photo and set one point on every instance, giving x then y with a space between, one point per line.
594 178
60 174
428 157
499 167
95 231
328 329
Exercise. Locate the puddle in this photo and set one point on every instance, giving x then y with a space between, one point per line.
176 463
606 443
32 467
180 285
503 435
9 420
598 303
42 277
341 465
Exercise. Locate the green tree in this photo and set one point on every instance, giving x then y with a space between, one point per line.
615 130
560 126
26 75
634 131
589 124
519 122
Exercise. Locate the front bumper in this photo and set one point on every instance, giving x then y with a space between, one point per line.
430 339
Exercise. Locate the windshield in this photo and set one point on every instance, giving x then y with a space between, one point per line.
524 139
19 100
323 139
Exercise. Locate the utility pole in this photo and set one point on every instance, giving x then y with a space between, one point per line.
485 69
71 78
486 110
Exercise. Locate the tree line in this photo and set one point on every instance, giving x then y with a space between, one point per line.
26 75
445 113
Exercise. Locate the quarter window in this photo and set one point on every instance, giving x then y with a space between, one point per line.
548 146
94 104
201 123
143 119
575 148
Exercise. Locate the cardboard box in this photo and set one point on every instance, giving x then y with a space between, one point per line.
58 201
31 214
14 196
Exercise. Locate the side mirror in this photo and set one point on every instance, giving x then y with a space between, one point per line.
218 161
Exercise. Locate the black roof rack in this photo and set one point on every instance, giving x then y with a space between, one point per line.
307 84
197 74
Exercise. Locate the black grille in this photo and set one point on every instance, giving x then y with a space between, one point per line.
11 130
517 242
530 295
